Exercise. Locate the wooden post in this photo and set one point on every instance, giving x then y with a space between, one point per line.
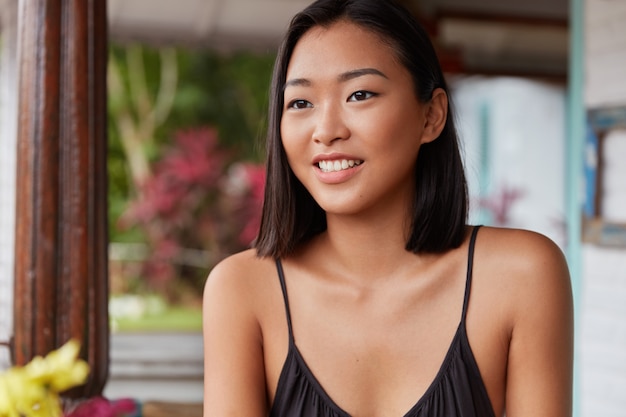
61 274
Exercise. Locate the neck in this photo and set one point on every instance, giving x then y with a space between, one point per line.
365 248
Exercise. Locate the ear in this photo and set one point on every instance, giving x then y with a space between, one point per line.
436 114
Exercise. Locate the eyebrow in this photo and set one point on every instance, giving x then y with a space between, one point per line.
359 73
346 76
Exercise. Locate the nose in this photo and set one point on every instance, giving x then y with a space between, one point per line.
330 125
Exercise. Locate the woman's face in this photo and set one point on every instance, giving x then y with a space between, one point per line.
352 124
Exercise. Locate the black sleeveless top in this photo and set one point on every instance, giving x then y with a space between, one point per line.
457 390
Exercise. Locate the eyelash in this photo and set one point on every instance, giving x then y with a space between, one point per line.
294 104
367 94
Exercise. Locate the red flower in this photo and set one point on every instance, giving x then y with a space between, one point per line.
191 201
101 407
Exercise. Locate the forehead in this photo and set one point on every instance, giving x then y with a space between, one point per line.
342 46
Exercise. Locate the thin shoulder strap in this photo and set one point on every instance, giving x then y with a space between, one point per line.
470 263
283 286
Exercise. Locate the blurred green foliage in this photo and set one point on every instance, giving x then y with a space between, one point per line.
226 91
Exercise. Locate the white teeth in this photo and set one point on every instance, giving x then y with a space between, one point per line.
332 166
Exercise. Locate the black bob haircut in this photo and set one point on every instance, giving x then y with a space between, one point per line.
290 214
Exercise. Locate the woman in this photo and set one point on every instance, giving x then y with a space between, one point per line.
367 294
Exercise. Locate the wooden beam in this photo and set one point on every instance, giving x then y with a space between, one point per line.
61 275
510 19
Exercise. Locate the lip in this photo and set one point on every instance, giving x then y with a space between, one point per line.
334 157
336 177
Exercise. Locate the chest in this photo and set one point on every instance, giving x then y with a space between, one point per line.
370 357
379 355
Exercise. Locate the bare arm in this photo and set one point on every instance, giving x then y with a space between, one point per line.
234 376
540 362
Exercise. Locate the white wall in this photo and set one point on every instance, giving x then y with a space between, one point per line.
602 314
8 134
512 132
602 337
605 52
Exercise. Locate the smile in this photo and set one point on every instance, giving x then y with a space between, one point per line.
338 165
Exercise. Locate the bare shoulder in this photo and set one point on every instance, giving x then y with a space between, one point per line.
239 263
233 308
238 278
525 280
528 265
522 252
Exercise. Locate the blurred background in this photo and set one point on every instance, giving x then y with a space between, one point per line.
188 90
540 92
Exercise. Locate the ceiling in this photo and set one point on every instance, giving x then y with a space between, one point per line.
222 24
528 37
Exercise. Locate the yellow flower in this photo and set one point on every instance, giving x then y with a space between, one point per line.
33 390
7 407
24 398
60 369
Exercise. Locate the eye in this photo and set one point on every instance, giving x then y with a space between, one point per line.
299 104
361 95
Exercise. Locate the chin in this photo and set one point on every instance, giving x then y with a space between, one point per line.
342 208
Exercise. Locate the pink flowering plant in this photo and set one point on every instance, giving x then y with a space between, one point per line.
198 205
500 203
102 407
35 389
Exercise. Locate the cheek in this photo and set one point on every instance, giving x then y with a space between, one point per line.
286 136
394 132
295 136
290 131
291 138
